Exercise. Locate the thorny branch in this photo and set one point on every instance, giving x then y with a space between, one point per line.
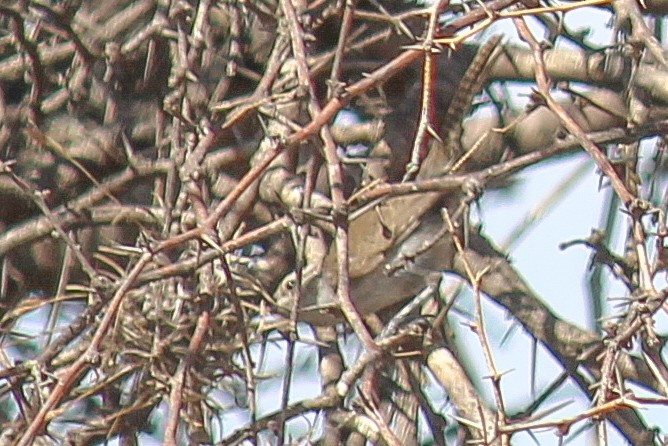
176 179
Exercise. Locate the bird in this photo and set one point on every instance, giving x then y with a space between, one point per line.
402 243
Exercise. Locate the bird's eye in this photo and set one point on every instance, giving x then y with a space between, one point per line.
291 284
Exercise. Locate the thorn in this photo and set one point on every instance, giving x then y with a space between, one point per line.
432 132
